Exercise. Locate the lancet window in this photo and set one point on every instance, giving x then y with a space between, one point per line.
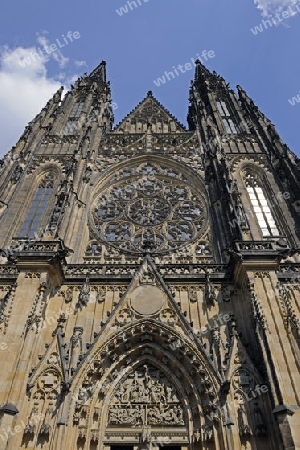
227 121
71 125
37 208
261 207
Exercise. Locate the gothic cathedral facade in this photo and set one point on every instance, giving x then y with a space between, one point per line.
150 276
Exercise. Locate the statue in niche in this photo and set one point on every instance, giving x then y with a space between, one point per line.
84 295
76 347
243 422
209 293
242 220
69 167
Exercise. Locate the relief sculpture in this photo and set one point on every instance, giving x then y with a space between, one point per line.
146 397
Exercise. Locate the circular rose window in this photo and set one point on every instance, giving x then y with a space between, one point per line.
148 208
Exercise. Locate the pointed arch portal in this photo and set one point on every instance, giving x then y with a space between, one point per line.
145 393
146 407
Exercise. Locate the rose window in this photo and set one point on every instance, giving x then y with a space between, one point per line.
149 208
148 211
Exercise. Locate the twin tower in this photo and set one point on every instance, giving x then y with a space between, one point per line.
150 276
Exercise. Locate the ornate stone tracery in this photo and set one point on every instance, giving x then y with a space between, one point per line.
149 208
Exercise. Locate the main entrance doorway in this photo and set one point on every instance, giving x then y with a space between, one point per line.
145 412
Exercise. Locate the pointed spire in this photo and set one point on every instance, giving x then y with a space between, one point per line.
100 72
201 71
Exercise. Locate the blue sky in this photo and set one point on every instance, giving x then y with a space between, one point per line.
140 45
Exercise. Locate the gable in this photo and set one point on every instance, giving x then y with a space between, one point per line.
150 112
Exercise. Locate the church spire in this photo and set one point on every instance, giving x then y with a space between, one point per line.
100 72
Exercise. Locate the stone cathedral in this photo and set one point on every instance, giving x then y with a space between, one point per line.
150 276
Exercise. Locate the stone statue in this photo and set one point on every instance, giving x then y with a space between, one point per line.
209 293
76 347
84 295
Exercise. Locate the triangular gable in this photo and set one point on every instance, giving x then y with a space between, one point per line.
150 111
148 297
53 361
239 359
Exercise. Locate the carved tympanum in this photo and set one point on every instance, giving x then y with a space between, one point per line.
146 397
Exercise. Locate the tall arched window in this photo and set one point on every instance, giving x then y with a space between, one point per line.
261 207
37 208
71 125
227 121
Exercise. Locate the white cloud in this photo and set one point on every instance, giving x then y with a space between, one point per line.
24 91
25 87
269 7
56 55
80 63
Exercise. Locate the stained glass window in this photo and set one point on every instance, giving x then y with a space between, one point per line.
77 109
229 126
223 109
261 207
227 122
37 208
71 125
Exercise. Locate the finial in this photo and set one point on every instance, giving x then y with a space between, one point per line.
149 94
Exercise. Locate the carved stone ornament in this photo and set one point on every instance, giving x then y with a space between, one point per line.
193 295
209 293
150 208
146 397
84 295
68 295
